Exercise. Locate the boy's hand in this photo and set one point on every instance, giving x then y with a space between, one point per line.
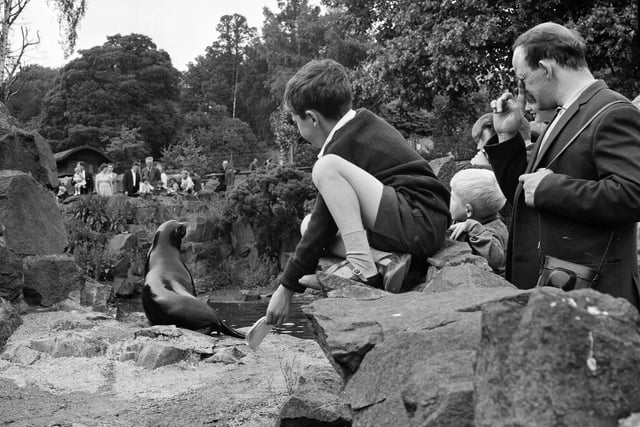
279 306
508 113
459 228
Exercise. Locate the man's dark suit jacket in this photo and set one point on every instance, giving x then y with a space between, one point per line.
127 183
592 196
152 175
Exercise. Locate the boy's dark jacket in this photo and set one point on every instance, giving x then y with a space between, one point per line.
372 144
594 191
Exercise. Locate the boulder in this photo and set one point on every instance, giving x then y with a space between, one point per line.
97 295
463 276
72 344
10 275
316 401
156 354
200 229
30 214
49 279
455 266
122 243
347 329
407 359
9 321
165 345
26 151
558 358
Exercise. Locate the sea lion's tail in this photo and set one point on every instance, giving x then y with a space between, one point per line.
228 330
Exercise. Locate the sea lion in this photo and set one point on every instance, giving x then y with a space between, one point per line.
168 296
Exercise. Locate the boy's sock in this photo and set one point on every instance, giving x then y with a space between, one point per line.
358 252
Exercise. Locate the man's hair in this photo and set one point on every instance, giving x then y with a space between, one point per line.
553 41
136 163
479 188
321 85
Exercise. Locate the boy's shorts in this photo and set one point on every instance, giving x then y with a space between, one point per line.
401 228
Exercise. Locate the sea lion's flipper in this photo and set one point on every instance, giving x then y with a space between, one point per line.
228 330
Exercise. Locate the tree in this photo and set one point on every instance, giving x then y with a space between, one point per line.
443 56
31 84
70 12
126 146
234 34
214 77
125 82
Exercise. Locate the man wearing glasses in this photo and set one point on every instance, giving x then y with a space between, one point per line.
577 198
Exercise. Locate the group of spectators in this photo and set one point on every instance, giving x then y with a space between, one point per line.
152 179
574 190
135 181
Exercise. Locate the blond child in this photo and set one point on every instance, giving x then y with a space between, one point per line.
78 179
475 201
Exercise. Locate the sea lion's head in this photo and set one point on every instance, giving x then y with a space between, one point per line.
169 233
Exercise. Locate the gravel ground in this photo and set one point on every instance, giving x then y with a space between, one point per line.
101 391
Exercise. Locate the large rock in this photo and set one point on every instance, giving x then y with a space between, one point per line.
9 321
558 358
407 359
26 151
49 279
316 402
347 329
30 214
10 275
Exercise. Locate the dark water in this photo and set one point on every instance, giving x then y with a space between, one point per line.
241 314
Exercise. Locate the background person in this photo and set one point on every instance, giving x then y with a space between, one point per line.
373 188
150 176
104 181
79 179
186 183
476 200
164 181
131 180
576 202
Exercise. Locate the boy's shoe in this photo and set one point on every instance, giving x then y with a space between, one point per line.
394 268
310 281
346 270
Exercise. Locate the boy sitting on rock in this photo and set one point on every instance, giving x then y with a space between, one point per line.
373 188
475 201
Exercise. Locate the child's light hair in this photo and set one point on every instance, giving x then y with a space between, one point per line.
479 188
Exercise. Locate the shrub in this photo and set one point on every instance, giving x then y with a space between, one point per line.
274 204
90 224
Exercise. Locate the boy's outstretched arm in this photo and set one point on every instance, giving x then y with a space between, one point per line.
279 305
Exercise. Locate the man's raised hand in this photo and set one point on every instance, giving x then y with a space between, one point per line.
508 113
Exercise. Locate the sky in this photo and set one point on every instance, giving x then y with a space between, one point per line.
183 28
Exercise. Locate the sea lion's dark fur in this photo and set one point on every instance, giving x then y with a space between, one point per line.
168 296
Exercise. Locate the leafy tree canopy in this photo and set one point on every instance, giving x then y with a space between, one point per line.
125 82
32 83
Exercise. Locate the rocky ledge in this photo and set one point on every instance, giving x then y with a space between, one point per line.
465 348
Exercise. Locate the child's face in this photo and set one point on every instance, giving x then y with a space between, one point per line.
307 129
458 208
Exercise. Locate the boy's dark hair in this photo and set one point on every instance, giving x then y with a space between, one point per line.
553 41
321 85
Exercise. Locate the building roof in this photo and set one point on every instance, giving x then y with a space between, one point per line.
61 155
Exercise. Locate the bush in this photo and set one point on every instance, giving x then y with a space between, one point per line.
274 204
89 226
